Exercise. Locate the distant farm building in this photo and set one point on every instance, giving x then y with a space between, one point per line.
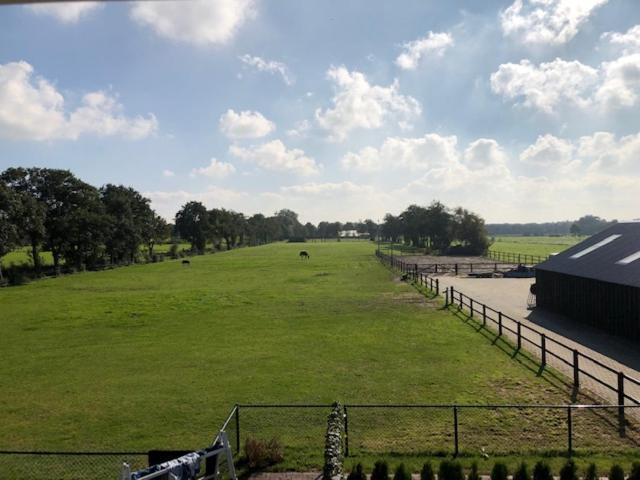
597 281
352 234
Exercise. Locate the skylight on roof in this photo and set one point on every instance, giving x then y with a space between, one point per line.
595 246
627 260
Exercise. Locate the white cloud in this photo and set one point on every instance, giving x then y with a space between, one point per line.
300 129
245 124
606 153
484 153
548 151
65 12
168 173
552 22
199 22
33 109
421 153
269 66
328 189
276 156
168 203
432 44
629 41
547 85
215 169
620 86
358 104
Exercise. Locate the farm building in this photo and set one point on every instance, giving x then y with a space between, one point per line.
597 281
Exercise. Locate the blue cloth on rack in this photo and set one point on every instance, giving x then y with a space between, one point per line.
182 468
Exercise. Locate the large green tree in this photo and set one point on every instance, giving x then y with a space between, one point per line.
192 224
10 211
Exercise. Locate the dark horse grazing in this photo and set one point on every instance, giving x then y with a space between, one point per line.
304 254
186 262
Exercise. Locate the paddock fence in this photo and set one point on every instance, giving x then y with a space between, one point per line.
583 370
518 258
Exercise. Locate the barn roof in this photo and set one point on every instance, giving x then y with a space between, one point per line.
612 255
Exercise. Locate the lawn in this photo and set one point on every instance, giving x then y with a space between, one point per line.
154 356
542 246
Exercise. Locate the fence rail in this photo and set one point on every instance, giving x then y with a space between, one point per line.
524 258
548 349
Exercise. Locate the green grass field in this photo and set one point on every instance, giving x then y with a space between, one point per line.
542 246
154 356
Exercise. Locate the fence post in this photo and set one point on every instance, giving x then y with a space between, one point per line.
446 297
471 306
569 432
495 267
543 348
519 335
237 429
471 267
456 267
621 403
499 324
484 315
437 286
455 430
346 432
461 301
451 296
576 370
415 271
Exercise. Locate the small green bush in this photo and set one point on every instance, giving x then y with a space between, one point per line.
357 473
591 473
616 473
401 473
541 471
380 471
522 473
473 474
569 471
450 470
427 472
635 471
499 471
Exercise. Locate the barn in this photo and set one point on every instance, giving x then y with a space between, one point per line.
597 281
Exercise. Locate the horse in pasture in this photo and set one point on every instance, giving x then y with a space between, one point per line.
186 262
304 254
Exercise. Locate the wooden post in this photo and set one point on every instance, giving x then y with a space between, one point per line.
456 267
455 430
437 286
484 315
621 403
543 349
446 298
576 370
499 324
471 306
569 432
519 335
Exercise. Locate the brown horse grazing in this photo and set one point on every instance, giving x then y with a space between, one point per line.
304 254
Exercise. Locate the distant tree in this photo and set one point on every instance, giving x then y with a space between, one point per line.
469 230
155 230
575 229
10 210
310 230
392 227
192 223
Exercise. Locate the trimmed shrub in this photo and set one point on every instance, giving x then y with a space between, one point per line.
473 474
541 471
616 473
173 251
380 471
357 473
522 473
261 454
591 473
450 470
427 472
401 473
635 471
499 471
569 471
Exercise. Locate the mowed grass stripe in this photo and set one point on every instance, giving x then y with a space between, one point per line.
153 356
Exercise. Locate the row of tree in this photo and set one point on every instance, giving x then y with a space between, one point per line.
52 210
438 228
586 225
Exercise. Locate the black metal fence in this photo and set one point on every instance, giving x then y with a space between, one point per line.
582 368
415 430
524 258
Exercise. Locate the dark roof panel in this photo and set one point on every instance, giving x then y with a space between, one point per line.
598 256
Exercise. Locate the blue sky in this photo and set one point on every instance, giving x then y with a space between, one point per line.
521 110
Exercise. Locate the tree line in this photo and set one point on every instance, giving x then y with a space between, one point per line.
585 225
438 229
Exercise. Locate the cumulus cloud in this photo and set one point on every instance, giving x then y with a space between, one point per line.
547 85
199 22
33 109
168 173
548 151
269 66
245 124
419 153
358 104
167 203
215 169
629 41
300 129
276 156
65 12
552 22
432 44
607 153
620 86
484 153
328 189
